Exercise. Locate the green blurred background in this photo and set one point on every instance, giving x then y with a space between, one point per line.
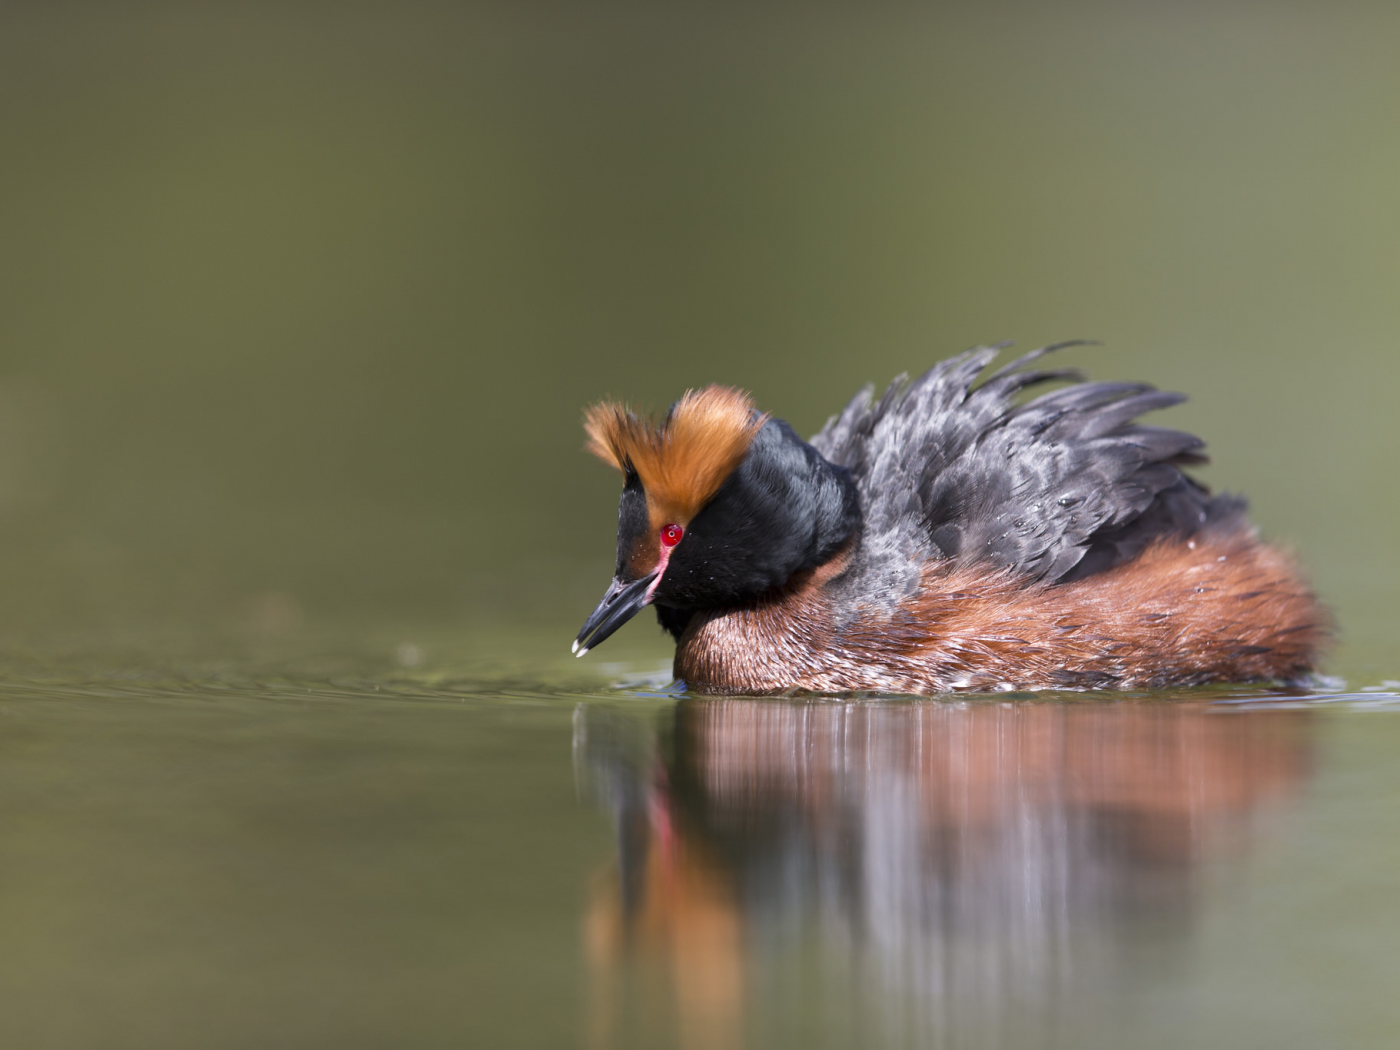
299 304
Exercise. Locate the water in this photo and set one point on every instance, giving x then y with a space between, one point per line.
353 855
990 873
299 309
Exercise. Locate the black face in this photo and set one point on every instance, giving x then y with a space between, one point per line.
633 523
783 510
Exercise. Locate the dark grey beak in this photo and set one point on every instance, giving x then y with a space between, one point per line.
622 602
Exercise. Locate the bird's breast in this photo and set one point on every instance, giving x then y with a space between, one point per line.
1184 612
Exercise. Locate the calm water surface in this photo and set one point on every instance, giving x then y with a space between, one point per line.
341 850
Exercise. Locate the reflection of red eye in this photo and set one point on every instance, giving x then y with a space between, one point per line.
671 535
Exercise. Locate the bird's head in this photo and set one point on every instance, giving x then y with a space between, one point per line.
720 504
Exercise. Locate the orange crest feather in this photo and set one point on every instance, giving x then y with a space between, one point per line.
683 461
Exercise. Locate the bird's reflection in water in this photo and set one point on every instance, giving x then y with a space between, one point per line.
889 872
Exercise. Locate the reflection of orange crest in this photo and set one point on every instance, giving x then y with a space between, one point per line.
686 918
1124 799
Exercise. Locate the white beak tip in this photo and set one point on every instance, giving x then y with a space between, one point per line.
582 653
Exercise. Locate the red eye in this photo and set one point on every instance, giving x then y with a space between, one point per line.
671 535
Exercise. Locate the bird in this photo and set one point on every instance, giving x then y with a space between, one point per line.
970 530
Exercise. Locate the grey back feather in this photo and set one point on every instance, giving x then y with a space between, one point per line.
1055 488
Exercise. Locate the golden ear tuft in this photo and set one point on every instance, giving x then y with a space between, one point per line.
610 427
683 461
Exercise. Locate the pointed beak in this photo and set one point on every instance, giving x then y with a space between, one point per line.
622 602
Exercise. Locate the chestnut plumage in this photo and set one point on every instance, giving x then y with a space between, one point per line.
947 535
